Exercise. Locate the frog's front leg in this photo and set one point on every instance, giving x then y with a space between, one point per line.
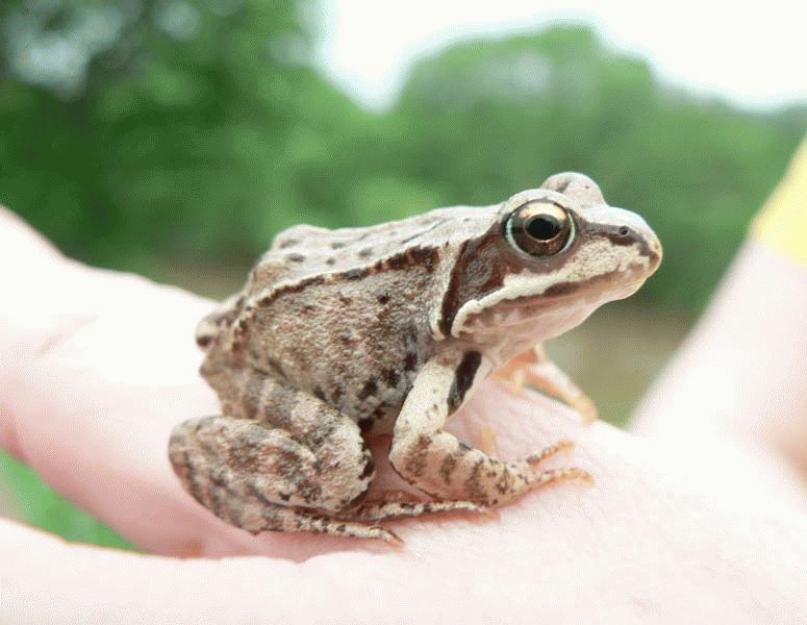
534 368
436 462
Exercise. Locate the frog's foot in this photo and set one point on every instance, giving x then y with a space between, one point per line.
399 504
487 440
513 373
393 495
543 478
533 368
282 519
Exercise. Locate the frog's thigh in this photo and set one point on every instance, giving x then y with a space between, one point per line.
258 477
437 462
286 442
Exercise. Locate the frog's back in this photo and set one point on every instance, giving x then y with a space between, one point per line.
308 250
345 314
341 314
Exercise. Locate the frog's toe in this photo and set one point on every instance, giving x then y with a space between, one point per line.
587 410
548 452
550 476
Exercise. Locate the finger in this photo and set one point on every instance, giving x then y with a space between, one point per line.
748 395
44 580
19 240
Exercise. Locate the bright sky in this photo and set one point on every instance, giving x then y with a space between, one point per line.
754 53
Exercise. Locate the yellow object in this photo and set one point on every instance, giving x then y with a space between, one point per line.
782 224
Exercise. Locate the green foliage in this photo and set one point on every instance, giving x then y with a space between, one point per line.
177 135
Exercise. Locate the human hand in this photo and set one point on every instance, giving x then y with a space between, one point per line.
740 380
96 368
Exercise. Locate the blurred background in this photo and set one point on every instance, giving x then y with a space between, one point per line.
174 138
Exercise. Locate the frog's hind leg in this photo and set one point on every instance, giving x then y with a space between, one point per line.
535 369
284 461
259 478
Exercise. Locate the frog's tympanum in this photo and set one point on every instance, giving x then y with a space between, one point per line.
389 329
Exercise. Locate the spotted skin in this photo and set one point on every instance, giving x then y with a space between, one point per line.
389 329
277 448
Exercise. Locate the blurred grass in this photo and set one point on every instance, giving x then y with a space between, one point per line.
38 504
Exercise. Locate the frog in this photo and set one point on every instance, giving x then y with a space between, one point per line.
388 330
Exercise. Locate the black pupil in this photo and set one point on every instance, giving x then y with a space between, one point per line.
543 228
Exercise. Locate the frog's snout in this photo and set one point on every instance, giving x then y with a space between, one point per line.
631 229
656 252
649 246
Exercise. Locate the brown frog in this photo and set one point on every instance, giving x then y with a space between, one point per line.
389 329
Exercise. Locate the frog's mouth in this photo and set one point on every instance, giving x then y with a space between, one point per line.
549 313
562 292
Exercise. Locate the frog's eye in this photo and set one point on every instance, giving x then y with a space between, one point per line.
540 229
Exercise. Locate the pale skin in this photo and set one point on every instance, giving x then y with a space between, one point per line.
663 536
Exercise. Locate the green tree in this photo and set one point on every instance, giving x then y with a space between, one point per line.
168 127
